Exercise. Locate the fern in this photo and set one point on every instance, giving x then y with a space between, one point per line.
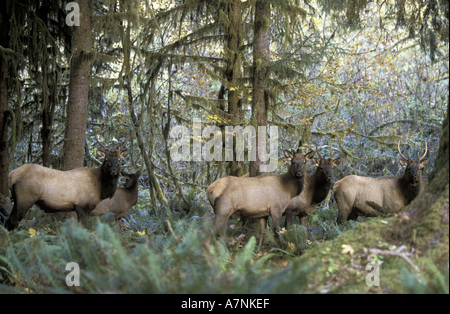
183 261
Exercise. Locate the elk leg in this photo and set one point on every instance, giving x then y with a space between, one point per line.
290 217
82 212
276 221
353 215
342 217
13 220
343 211
223 211
220 225
304 222
262 229
19 210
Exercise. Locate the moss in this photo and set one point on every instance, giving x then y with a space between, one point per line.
266 22
344 271
432 222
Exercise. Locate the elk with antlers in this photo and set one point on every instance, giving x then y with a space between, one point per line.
365 196
78 190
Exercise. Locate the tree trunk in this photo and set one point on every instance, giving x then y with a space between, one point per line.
261 55
46 130
48 87
233 72
153 182
4 157
77 107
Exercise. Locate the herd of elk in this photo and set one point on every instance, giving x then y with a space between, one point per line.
52 190
295 193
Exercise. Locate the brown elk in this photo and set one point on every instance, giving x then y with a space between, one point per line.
365 196
123 199
78 190
257 197
316 188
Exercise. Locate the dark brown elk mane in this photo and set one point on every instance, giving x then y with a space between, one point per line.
410 183
321 179
108 179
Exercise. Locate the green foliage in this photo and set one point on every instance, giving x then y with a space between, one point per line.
166 250
184 261
293 240
434 281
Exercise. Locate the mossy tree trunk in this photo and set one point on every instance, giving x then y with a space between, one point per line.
48 97
4 157
233 71
261 56
77 107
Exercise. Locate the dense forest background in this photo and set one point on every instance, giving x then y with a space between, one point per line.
350 77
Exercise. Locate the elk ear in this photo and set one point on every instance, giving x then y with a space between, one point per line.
424 162
288 155
403 163
138 173
123 153
310 155
316 162
337 161
101 154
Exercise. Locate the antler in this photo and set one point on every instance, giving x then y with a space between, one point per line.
398 146
426 149
104 147
123 145
300 144
317 151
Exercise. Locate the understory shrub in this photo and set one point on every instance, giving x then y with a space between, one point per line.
184 260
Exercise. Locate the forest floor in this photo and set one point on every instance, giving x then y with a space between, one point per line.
174 252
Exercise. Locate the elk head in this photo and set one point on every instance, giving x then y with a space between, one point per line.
413 169
298 162
111 158
325 165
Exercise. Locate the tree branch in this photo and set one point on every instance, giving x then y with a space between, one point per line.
396 253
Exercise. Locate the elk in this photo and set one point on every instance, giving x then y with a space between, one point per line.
123 199
52 190
366 196
257 197
315 190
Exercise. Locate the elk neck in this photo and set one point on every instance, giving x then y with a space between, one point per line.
409 188
319 183
108 183
292 183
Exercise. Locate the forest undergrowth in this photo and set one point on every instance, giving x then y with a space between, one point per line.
169 251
